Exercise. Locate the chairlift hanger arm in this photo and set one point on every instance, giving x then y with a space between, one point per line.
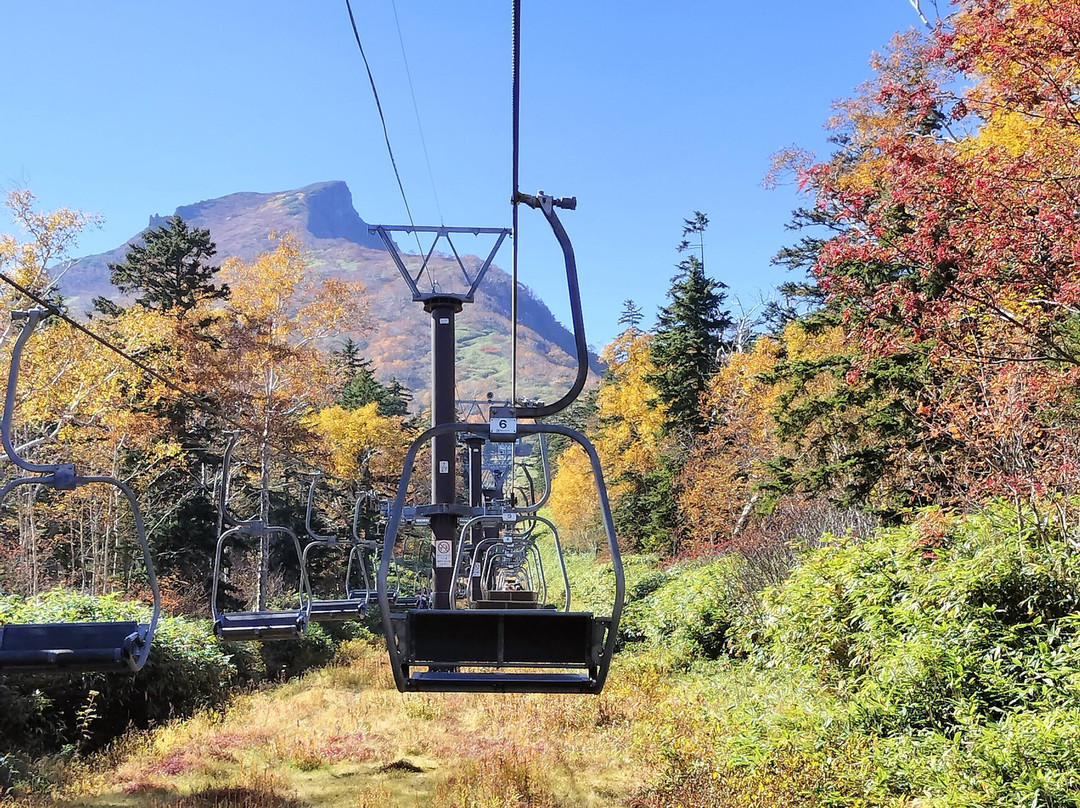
547 204
63 477
318 537
31 318
226 477
365 496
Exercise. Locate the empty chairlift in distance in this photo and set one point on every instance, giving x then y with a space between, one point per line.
408 577
354 602
113 645
260 623
504 567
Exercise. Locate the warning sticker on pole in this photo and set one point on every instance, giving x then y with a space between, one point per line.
444 553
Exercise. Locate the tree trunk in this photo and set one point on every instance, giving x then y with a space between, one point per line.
744 517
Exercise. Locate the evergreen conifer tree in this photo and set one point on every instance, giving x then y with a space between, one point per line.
360 387
168 270
689 336
631 316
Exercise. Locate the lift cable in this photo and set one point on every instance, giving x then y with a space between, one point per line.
382 118
416 109
53 309
515 148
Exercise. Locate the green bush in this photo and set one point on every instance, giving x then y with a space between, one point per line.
948 657
688 609
931 629
188 670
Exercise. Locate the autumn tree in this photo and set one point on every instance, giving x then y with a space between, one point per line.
573 500
954 194
628 429
172 278
38 260
75 405
271 373
721 482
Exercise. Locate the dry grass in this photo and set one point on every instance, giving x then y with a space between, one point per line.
342 736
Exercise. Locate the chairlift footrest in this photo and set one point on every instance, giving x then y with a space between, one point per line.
501 682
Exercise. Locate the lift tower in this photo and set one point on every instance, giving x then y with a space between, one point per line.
443 305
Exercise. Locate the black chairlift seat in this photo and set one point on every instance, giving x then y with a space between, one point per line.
510 599
352 606
449 641
267 625
98 646
544 650
337 611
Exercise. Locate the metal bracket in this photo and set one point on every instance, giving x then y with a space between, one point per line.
384 232
546 202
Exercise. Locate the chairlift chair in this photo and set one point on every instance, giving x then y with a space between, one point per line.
107 645
530 649
329 610
258 624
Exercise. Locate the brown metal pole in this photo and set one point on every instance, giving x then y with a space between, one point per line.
444 451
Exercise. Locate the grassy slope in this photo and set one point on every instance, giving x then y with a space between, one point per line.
328 739
337 736
932 665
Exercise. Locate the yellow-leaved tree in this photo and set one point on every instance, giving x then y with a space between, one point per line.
631 444
727 463
354 443
272 371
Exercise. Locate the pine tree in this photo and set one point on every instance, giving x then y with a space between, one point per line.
689 336
360 387
631 316
168 269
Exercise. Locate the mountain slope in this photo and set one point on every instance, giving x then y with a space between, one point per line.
340 245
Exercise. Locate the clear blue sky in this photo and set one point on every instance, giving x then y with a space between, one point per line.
644 111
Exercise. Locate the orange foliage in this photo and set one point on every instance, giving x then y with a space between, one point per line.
725 465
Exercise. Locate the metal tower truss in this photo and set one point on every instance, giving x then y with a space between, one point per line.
424 276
